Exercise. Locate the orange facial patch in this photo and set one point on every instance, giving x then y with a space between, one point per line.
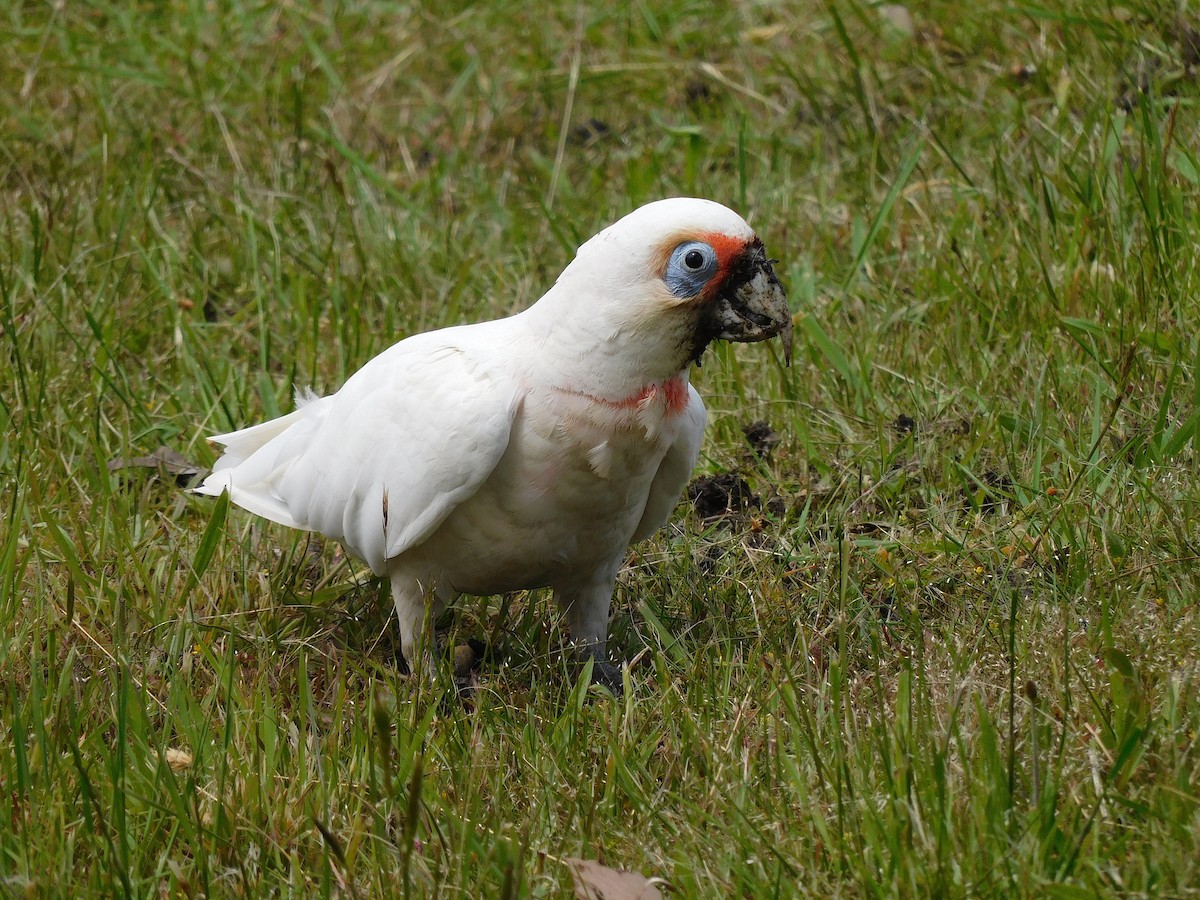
727 249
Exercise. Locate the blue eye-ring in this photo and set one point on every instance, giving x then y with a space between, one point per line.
690 267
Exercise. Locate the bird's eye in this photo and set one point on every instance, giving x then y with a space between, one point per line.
691 266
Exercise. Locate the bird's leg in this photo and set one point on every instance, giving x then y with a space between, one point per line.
586 608
413 609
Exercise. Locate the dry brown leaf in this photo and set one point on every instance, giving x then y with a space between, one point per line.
594 881
164 460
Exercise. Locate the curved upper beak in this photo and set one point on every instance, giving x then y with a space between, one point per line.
751 304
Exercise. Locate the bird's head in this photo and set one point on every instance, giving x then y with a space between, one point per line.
682 272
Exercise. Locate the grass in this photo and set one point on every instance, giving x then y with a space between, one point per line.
953 649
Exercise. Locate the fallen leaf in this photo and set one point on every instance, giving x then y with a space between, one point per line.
164 460
763 33
177 759
898 16
594 881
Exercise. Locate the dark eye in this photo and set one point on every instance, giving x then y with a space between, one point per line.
694 260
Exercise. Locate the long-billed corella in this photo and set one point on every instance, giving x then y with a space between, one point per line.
528 451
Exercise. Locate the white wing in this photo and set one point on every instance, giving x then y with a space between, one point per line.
381 463
674 470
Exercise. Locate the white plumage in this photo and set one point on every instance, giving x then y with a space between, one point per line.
528 451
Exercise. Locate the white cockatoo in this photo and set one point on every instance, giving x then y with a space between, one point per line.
529 451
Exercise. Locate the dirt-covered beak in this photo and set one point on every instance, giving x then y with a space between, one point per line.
750 304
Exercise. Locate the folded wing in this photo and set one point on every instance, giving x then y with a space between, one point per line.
381 463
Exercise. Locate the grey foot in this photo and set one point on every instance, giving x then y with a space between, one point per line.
608 676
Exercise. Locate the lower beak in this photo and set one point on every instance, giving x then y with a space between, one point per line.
752 305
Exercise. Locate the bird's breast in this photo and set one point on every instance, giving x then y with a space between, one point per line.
566 496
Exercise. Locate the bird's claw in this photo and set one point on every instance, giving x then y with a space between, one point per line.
608 676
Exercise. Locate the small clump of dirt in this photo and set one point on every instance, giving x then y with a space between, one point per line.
707 557
997 488
762 438
1187 36
727 493
697 93
589 132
